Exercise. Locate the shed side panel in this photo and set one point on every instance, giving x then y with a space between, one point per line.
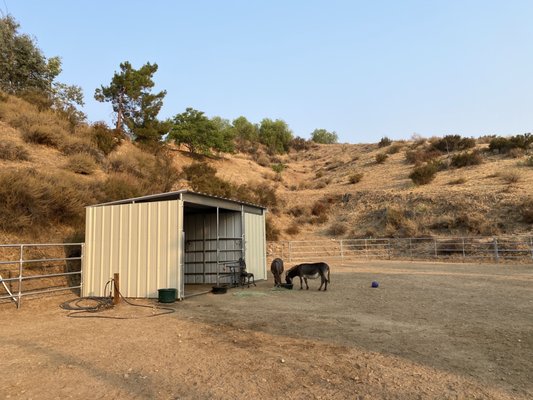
139 241
254 234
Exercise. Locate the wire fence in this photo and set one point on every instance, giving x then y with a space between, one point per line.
33 269
517 249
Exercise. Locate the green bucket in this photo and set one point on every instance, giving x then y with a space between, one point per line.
167 295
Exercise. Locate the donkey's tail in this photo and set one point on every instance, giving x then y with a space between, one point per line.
329 280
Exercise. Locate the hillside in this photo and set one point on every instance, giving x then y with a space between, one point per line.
49 172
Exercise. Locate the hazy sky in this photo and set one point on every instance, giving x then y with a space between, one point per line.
365 69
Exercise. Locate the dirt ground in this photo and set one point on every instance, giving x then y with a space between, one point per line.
429 331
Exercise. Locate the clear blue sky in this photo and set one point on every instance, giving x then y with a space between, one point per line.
365 69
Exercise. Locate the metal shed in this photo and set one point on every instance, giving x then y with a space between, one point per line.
170 240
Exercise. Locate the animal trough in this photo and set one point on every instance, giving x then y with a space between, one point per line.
287 285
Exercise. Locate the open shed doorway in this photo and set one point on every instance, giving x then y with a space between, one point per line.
213 241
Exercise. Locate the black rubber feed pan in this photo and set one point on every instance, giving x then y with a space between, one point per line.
287 285
219 289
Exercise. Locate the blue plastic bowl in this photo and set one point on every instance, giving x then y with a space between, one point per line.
375 284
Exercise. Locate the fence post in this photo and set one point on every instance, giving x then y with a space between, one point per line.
21 263
464 256
496 255
366 248
435 243
411 248
390 248
531 246
290 253
342 252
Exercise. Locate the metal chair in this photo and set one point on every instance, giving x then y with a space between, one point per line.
245 276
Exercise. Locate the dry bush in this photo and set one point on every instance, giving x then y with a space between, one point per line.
419 156
424 174
397 222
297 211
526 210
119 186
466 159
263 160
384 142
293 229
458 181
517 153
299 144
320 207
272 232
319 174
13 152
395 148
321 185
337 228
510 177
81 163
381 158
355 178
75 145
43 135
473 222
31 201
528 162
104 138
332 165
451 143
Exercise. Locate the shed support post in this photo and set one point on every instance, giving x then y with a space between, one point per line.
116 289
218 248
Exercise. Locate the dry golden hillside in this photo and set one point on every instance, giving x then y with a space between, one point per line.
49 173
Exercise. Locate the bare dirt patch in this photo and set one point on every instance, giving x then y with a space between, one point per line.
430 331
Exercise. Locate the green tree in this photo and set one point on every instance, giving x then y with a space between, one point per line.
22 64
135 106
199 134
324 137
246 134
26 72
276 135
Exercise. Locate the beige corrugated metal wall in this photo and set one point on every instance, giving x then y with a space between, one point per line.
254 236
141 242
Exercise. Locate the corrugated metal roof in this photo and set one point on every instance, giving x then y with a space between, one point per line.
173 196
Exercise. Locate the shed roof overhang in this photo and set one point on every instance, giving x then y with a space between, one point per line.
192 199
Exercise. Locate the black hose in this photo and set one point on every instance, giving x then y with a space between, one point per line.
105 303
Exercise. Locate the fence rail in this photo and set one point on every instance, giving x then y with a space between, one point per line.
32 269
493 249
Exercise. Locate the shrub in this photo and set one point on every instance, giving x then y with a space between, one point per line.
384 142
320 208
120 186
526 209
319 174
272 232
511 177
504 145
421 156
355 178
337 229
82 164
44 135
30 201
293 229
516 152
395 148
13 152
451 143
528 162
262 160
278 168
297 211
381 157
424 174
300 144
104 138
458 181
466 159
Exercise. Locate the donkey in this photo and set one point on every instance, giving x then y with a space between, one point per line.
277 269
309 271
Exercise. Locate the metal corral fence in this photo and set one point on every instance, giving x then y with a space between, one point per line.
32 269
488 249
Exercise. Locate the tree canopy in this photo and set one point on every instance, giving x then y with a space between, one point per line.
324 137
276 135
199 134
135 106
26 72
